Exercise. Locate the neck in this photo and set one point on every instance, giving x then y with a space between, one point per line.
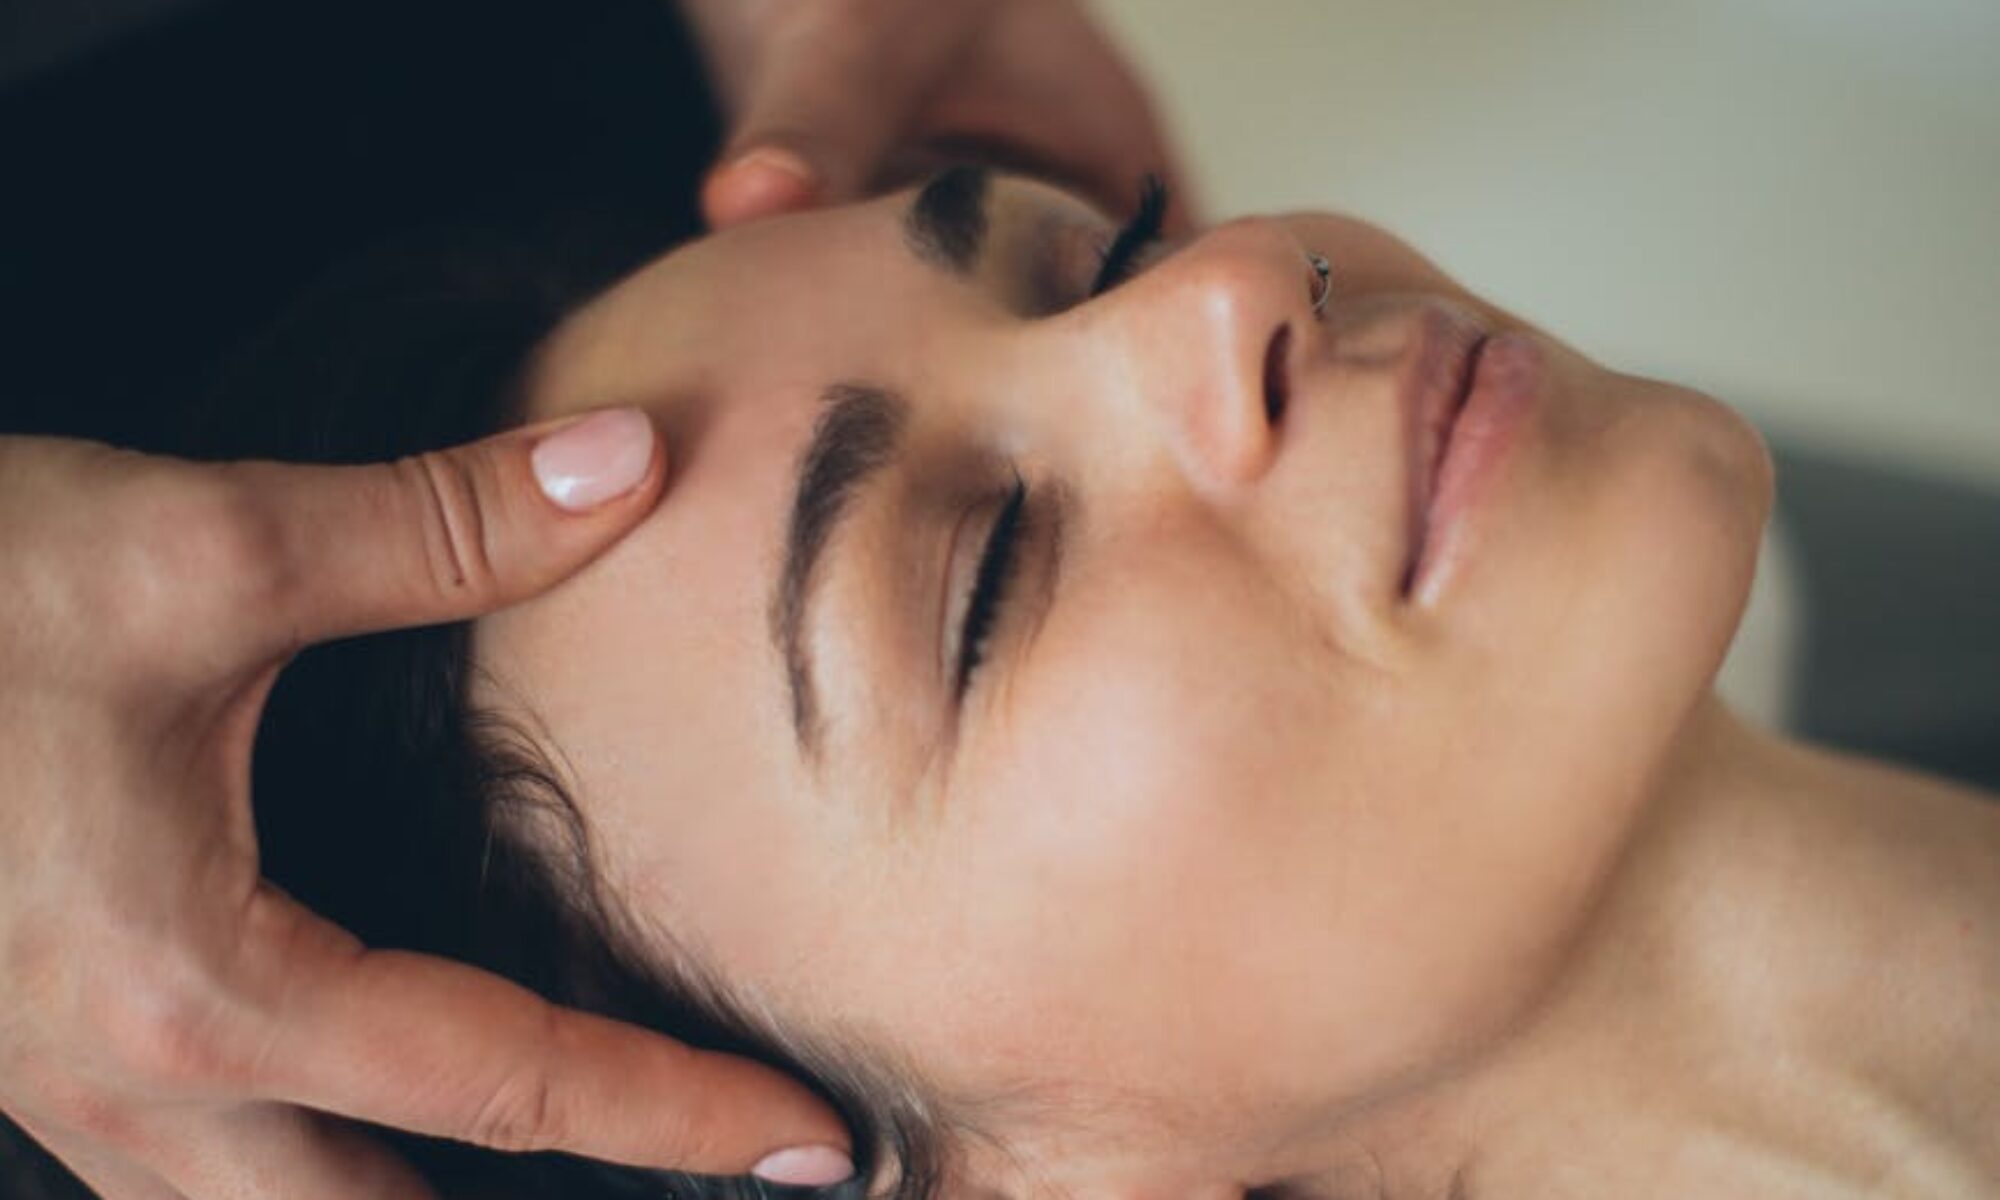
1791 988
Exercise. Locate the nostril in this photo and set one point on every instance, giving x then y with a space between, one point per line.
1277 374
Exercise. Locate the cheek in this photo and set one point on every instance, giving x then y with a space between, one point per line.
1171 717
1187 804
1126 868
1625 565
1591 628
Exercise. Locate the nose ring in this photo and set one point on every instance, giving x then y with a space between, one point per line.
1322 282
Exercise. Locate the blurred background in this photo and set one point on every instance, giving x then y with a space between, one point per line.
1791 204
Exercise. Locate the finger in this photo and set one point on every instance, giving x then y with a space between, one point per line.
833 95
109 1175
269 1150
1064 102
441 536
436 1047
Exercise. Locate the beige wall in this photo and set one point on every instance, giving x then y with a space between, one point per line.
1792 203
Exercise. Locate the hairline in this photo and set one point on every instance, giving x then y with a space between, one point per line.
908 1112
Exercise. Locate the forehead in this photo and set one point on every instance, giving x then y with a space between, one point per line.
726 321
730 342
648 673
651 675
781 306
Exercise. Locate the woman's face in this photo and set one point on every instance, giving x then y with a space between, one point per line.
1066 721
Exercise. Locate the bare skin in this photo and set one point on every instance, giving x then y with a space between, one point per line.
173 1026
1789 991
824 109
165 1064
1237 866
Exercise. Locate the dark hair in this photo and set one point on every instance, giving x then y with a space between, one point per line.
391 804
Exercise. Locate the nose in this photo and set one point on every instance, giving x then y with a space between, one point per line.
1208 338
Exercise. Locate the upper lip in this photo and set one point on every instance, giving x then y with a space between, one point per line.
1431 393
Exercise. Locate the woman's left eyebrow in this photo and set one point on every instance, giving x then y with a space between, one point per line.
946 224
856 439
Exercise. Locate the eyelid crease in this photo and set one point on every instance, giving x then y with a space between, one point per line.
946 638
1048 522
1066 250
1144 228
990 599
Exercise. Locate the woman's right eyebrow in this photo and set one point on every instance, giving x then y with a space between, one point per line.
946 224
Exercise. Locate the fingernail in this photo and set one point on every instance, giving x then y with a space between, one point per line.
805 1166
597 458
774 158
767 179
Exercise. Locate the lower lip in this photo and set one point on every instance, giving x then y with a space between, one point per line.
1506 380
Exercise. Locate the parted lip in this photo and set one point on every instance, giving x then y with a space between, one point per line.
1432 393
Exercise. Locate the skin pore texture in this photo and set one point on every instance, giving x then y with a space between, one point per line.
1238 864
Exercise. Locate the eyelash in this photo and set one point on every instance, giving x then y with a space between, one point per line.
997 562
996 571
1144 229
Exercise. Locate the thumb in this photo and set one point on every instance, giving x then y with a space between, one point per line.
832 97
446 535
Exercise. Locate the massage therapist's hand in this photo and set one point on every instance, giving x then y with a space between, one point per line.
824 97
170 1024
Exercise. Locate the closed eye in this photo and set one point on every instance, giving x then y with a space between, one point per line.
1144 229
997 568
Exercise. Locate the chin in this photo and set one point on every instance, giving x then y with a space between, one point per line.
1706 521
1633 595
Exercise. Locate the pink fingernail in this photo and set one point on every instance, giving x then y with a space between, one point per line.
771 158
805 1166
762 182
597 458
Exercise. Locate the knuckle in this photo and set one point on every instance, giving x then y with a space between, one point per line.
161 1030
37 961
523 1111
520 1115
693 1136
193 540
236 536
688 1121
133 1017
85 1111
452 517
